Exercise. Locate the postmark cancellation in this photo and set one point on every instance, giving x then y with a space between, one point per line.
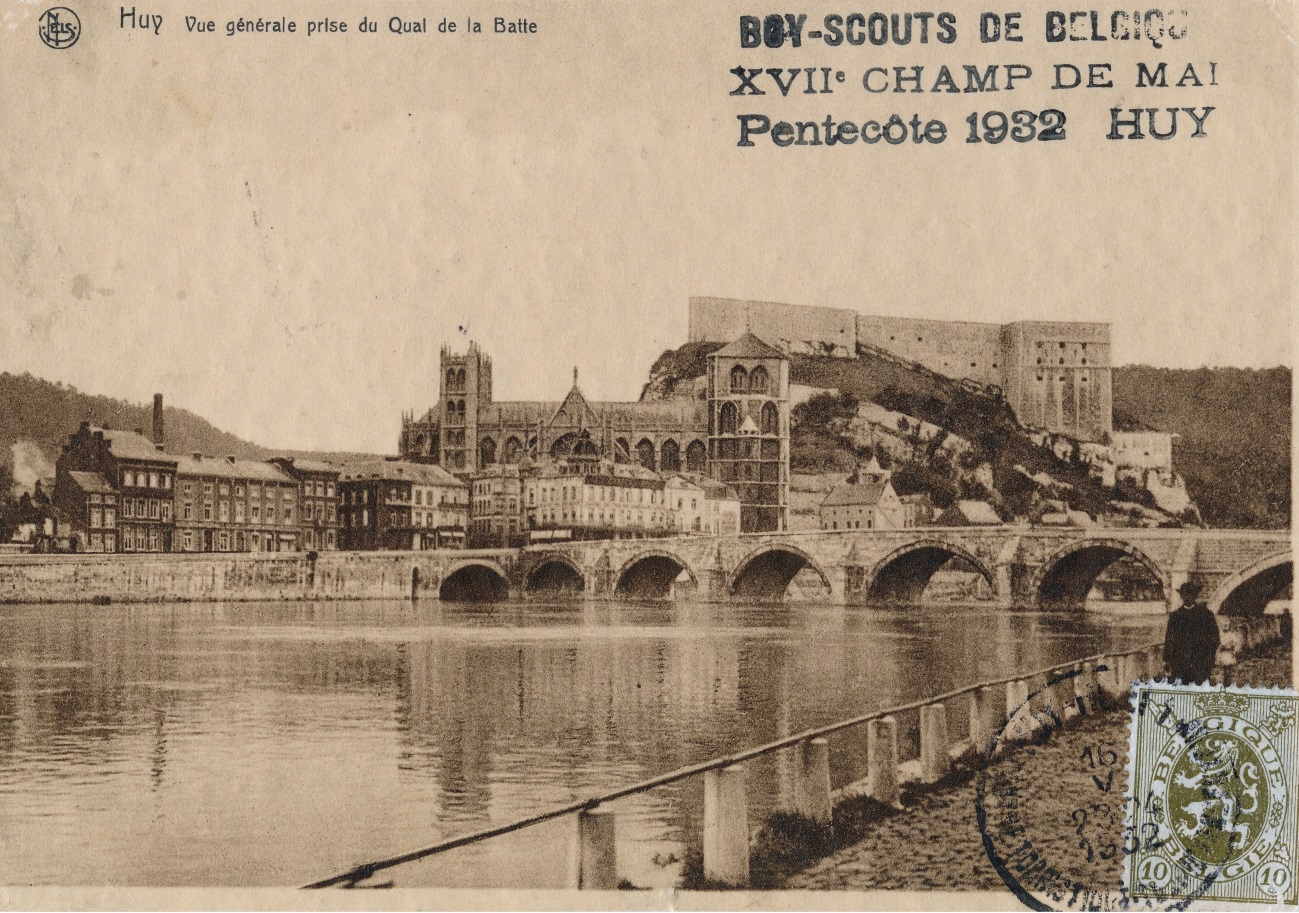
1211 794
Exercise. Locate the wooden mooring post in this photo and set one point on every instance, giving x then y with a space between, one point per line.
595 852
726 827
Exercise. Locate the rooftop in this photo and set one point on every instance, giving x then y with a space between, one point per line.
865 494
747 346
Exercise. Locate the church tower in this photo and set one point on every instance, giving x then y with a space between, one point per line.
464 386
748 429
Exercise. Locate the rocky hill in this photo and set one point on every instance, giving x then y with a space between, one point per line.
952 441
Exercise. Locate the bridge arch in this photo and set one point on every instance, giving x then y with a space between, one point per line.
1067 576
1247 592
555 575
767 571
474 580
651 574
904 573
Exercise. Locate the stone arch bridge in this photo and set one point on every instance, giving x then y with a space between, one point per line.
1240 570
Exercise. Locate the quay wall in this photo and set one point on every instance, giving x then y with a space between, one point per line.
218 577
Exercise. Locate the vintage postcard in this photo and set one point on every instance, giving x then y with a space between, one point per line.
567 454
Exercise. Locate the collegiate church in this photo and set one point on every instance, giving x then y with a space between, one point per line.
738 434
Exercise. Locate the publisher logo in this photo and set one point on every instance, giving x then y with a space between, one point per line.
59 27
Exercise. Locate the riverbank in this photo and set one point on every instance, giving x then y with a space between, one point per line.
936 844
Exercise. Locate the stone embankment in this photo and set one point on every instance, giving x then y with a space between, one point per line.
936 844
219 577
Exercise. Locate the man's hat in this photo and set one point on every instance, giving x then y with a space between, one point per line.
1189 590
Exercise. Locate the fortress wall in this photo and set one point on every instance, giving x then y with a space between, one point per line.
1054 374
790 327
954 348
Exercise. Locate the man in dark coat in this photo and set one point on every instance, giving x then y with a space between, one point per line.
1191 640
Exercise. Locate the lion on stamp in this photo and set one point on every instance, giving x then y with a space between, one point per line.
1211 781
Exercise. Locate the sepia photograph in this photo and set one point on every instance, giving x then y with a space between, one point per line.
567 454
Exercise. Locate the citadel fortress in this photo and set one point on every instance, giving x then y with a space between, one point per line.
1056 376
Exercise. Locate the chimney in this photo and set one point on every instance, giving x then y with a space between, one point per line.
157 419
197 456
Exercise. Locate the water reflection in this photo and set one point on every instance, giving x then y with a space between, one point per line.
268 744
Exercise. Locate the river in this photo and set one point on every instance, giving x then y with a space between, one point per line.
269 744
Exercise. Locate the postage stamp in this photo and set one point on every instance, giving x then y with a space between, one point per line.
1211 793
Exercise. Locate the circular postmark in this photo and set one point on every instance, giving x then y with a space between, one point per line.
59 27
1054 814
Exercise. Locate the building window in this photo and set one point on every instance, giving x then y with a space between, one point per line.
187 490
223 509
256 513
187 511
739 380
225 490
166 511
153 480
270 514
153 509
207 489
110 517
96 517
128 507
239 513
207 510
730 418
329 510
288 515
225 542
758 380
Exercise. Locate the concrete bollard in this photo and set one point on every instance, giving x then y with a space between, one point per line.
1105 680
986 718
1049 701
726 827
595 856
1154 663
935 762
882 761
812 781
1084 691
1021 725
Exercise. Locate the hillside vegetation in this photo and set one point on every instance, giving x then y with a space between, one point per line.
1234 450
37 415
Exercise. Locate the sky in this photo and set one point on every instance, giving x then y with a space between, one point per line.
280 233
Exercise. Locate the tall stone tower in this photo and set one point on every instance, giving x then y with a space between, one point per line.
464 386
748 429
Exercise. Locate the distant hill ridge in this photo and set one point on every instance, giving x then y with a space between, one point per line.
43 413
